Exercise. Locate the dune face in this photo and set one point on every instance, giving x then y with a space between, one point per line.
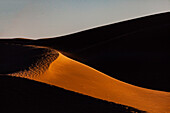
16 58
77 77
18 94
74 76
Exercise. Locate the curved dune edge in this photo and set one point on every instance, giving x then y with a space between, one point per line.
40 66
72 75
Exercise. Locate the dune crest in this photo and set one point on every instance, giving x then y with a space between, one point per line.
41 64
72 75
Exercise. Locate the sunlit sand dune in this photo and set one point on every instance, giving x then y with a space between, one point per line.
31 62
72 75
135 51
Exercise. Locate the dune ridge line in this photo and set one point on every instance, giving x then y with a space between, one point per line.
40 66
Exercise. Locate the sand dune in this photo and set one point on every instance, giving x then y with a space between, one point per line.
31 62
20 95
135 51
72 75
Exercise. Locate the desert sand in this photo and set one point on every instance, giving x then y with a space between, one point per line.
23 68
75 76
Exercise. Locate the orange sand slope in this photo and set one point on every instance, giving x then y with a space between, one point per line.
72 75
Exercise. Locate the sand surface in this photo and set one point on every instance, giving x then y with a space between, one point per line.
75 76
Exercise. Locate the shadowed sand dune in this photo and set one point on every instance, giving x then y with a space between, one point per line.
72 75
135 51
16 58
19 95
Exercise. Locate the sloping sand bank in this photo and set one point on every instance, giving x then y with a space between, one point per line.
72 75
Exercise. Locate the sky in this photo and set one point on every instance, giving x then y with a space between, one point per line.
36 19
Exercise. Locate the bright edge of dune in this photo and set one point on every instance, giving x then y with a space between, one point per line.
72 75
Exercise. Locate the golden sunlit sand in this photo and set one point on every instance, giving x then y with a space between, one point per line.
75 76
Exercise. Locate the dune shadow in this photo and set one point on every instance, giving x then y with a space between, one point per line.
15 58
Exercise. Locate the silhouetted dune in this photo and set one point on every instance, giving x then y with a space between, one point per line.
19 95
134 51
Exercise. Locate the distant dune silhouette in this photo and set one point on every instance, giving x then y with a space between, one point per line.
134 51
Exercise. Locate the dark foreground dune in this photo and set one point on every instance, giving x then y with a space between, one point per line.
19 95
